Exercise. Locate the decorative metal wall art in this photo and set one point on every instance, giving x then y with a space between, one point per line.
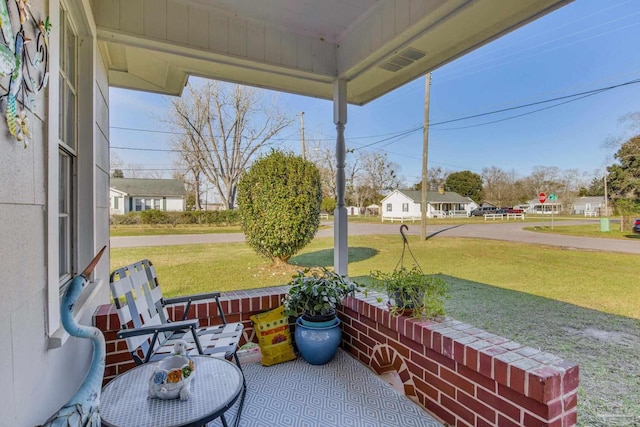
24 63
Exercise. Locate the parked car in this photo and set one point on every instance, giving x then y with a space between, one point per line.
636 226
509 211
483 210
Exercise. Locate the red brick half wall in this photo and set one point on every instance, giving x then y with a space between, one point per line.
461 374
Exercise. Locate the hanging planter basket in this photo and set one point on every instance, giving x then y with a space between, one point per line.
410 291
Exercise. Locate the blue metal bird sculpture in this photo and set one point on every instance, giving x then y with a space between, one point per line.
82 410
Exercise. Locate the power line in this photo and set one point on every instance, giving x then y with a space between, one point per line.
579 94
397 136
400 136
575 97
147 149
168 132
288 138
520 115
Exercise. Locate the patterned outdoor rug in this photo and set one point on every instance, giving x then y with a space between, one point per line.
340 393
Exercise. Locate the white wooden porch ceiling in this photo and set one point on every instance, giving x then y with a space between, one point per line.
298 46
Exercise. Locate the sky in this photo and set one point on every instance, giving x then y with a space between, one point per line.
584 46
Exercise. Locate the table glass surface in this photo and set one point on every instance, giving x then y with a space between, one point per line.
125 401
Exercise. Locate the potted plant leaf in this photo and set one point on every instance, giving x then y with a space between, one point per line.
411 292
313 297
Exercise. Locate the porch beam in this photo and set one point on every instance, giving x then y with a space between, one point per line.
340 245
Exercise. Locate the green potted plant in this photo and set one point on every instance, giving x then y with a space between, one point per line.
411 292
315 293
314 296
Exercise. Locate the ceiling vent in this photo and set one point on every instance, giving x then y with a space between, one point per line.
402 59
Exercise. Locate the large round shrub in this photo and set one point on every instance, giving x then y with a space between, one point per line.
279 200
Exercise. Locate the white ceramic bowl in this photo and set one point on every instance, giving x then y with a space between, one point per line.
171 378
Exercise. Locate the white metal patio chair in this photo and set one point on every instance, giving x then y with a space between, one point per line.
151 335
146 327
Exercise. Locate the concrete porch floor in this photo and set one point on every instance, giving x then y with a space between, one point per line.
341 393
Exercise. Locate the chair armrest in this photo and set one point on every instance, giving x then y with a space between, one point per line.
151 329
188 298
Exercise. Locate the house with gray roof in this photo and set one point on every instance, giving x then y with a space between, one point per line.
589 206
142 194
405 205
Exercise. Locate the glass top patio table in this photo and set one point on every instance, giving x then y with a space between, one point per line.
216 385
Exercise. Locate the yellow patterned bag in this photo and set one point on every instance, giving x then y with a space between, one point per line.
274 336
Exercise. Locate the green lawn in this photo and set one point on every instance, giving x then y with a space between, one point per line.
587 230
580 305
157 230
600 281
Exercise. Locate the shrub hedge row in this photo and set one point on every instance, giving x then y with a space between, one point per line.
157 217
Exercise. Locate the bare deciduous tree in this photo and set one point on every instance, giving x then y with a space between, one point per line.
543 179
497 185
134 170
571 180
366 174
436 177
379 172
115 162
325 160
372 173
224 127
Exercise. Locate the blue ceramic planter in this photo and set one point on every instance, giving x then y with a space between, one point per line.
317 345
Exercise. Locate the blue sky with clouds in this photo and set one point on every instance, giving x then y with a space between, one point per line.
587 45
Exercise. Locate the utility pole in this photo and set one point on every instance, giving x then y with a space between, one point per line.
304 150
425 155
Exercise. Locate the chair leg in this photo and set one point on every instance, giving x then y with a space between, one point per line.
241 405
244 390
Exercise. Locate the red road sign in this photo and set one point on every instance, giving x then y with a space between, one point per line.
542 197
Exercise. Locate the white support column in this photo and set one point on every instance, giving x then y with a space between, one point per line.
340 242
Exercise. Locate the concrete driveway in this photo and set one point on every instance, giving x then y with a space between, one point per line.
507 231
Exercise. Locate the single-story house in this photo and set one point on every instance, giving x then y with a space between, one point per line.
534 207
54 196
141 194
405 205
589 206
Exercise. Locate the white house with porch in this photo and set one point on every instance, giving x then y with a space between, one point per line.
54 198
405 205
534 207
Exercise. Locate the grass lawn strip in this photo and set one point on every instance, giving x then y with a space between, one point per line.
586 230
165 230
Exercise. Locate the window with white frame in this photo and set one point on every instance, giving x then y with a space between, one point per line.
67 147
389 207
145 204
405 207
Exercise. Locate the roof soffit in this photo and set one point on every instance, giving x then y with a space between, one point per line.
298 46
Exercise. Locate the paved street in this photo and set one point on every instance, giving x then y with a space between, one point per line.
508 231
